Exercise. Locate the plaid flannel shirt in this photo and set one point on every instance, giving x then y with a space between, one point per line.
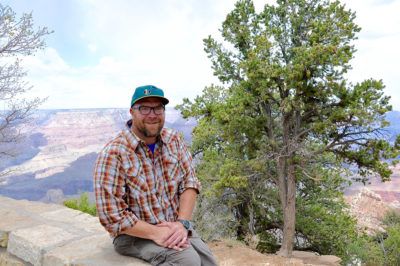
133 184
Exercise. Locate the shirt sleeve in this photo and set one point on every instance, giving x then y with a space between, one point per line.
186 161
109 184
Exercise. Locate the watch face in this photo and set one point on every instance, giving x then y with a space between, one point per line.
185 223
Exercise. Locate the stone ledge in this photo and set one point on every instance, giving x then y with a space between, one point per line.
30 244
35 233
95 250
53 235
6 259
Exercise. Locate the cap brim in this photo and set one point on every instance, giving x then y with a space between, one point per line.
164 100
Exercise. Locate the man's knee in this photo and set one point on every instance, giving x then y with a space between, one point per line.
192 258
187 257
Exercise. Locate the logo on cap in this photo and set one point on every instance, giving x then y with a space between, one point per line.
147 92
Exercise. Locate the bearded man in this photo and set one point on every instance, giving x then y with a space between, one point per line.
146 188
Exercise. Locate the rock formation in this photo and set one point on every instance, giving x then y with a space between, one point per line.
369 209
60 151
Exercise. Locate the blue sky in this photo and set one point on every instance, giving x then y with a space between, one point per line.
101 50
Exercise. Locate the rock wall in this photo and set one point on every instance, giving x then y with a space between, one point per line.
69 135
369 209
34 233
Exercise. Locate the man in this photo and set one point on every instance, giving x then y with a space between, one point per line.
146 188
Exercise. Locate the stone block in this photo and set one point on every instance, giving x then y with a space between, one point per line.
30 244
95 250
75 218
6 259
3 239
26 206
13 220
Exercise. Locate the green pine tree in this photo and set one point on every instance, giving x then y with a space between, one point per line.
286 120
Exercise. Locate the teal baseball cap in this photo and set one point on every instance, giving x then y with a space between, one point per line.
148 91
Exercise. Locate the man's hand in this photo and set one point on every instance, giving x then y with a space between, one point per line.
167 234
178 239
162 235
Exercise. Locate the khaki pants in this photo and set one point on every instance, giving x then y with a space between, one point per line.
197 254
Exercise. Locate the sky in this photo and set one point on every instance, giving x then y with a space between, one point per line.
101 50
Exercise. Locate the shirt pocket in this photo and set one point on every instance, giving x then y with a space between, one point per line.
172 175
135 181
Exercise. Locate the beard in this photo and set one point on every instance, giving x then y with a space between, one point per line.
150 130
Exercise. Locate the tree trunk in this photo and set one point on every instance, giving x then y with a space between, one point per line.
251 220
289 214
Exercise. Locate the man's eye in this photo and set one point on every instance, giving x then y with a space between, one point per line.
145 108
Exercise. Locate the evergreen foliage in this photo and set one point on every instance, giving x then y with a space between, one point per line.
382 248
276 137
82 204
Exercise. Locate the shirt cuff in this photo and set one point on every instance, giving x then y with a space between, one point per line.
190 184
127 221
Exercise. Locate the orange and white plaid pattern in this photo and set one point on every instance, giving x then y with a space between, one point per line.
133 184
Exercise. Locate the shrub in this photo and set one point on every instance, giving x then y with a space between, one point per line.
82 204
381 249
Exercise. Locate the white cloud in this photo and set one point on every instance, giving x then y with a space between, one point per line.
45 62
79 87
92 47
161 43
377 46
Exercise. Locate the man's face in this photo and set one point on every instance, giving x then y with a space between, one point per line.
150 125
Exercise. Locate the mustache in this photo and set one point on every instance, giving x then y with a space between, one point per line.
152 120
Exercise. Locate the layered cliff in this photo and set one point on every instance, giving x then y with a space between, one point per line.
369 209
59 151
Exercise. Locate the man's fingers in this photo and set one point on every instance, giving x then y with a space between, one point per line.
183 241
180 241
172 240
174 243
177 248
185 246
182 246
177 240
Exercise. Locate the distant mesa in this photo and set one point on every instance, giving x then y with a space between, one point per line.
56 158
369 209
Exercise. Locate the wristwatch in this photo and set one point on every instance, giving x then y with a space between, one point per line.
187 224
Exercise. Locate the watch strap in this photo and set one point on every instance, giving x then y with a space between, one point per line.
187 224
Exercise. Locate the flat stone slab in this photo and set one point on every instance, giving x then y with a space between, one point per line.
75 218
26 206
12 220
94 251
30 244
6 259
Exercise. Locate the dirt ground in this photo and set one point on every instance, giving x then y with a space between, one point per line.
232 253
